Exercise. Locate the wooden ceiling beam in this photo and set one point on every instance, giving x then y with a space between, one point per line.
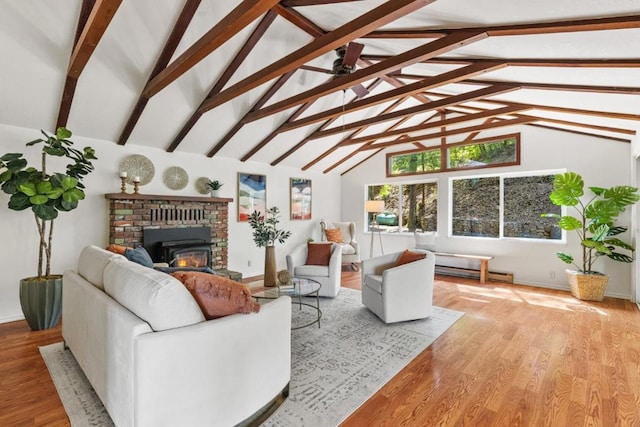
546 62
484 126
552 120
299 20
381 15
240 17
431 49
579 124
441 103
357 132
621 90
430 82
528 62
304 141
71 82
297 3
567 110
510 109
170 46
226 75
591 24
263 99
356 165
99 19
577 132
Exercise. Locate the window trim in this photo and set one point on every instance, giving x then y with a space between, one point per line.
399 183
444 156
502 176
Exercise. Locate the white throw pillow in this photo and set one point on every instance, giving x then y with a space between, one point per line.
155 297
92 262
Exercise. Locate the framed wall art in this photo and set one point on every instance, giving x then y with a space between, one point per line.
252 195
300 191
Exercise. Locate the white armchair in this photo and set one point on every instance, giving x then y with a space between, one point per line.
398 293
350 247
328 276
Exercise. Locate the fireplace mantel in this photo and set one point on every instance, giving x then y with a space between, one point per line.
126 196
131 214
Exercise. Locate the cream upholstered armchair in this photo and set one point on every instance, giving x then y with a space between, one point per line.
396 293
350 248
329 276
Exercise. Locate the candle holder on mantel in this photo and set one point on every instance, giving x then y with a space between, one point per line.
123 182
136 184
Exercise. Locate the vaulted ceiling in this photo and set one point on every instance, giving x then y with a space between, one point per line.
253 80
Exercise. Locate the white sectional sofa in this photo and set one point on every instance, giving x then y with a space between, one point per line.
152 358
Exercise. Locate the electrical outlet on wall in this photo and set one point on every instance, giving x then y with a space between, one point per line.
552 275
249 263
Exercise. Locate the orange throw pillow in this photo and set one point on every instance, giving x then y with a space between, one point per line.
117 249
318 253
333 235
217 296
407 256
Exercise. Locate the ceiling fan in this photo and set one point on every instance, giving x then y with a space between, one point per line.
344 64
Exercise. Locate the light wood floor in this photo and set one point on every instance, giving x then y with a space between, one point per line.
521 356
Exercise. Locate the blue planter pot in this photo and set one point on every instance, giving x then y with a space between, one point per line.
41 301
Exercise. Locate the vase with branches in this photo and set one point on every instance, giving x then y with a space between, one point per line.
266 234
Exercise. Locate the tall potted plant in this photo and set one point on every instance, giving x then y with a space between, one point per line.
595 227
46 194
266 233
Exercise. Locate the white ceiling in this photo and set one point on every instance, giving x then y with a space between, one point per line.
37 36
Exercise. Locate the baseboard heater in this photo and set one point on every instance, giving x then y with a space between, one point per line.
494 276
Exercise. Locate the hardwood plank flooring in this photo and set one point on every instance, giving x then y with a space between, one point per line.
521 356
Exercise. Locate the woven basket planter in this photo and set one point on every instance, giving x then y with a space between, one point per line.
588 287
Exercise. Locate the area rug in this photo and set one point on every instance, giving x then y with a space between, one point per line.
335 368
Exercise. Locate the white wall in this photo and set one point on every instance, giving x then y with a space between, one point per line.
89 223
635 212
601 163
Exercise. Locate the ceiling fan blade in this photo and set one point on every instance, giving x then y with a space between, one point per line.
360 90
316 69
353 53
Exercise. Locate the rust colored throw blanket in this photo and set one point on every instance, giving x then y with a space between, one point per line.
217 296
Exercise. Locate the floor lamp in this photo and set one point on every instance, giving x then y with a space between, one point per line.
375 207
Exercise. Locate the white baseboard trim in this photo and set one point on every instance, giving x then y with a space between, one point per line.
13 318
566 288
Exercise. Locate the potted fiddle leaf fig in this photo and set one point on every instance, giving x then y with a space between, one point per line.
266 233
45 194
594 223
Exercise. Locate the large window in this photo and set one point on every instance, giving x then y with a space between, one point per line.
504 206
408 207
476 207
481 153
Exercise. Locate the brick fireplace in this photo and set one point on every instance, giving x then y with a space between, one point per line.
131 214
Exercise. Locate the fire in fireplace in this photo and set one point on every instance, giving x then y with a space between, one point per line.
179 247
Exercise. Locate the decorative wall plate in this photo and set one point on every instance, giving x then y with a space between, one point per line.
175 178
202 185
138 165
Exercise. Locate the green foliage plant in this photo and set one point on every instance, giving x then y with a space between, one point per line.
46 193
265 231
595 219
214 185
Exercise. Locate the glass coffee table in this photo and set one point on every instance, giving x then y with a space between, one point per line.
299 288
